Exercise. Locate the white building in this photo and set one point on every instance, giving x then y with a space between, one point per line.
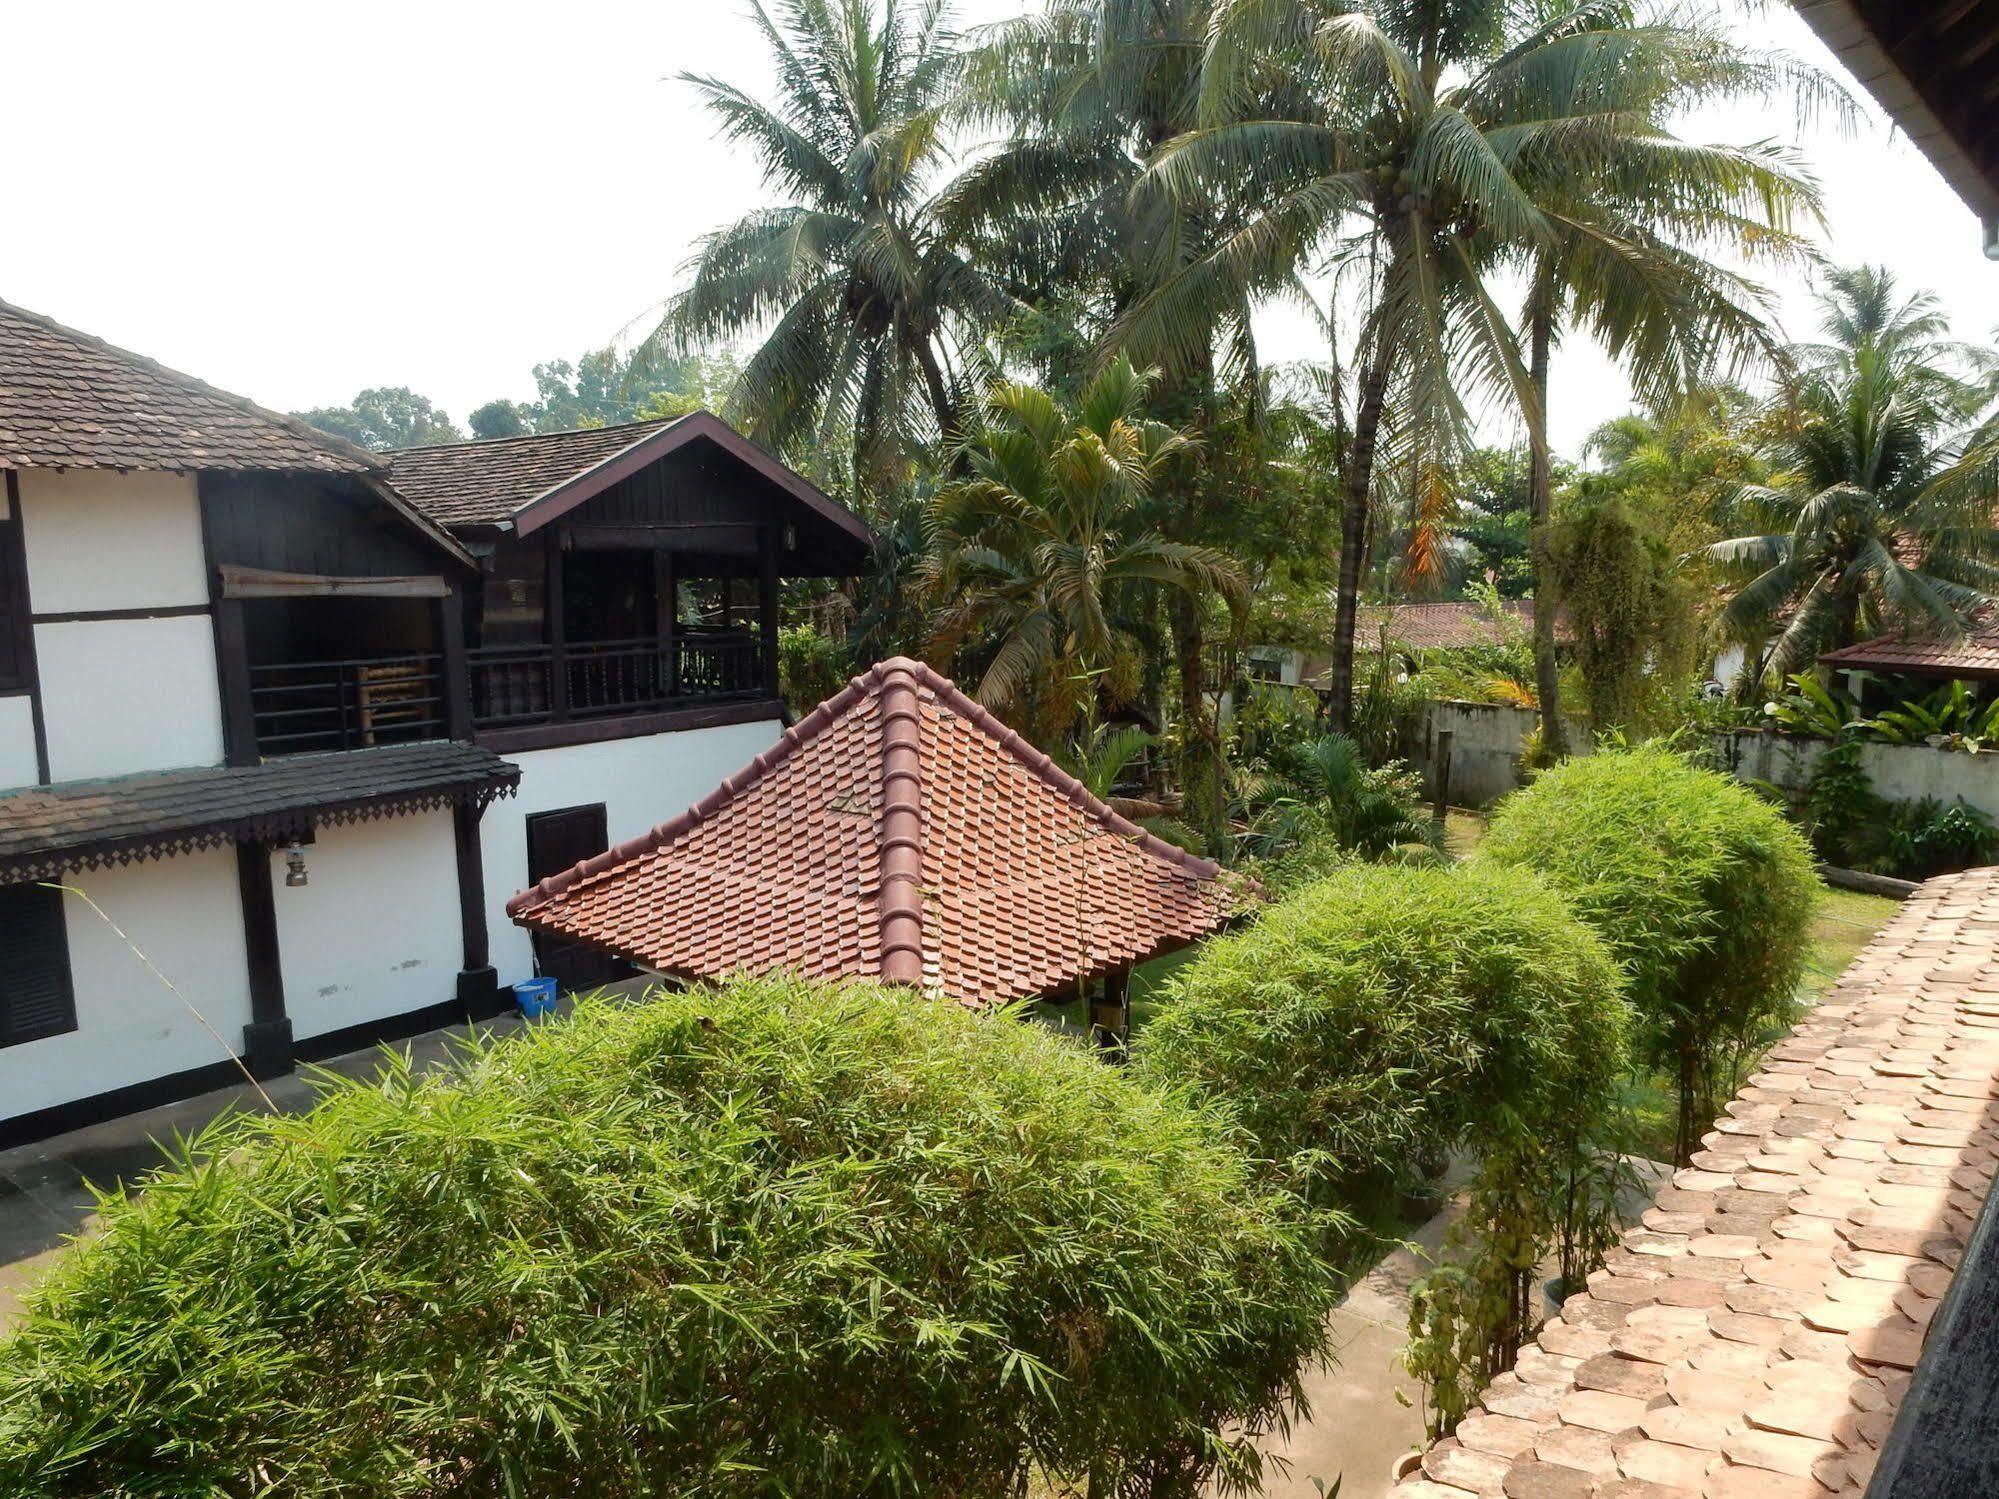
299 743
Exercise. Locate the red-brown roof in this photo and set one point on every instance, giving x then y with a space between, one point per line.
1444 626
68 400
1753 1339
901 832
1974 656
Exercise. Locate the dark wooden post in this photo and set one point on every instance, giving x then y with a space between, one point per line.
457 672
1110 1014
267 1039
232 662
1445 739
767 605
666 609
478 981
558 631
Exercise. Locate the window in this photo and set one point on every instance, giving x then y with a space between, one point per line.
14 622
36 999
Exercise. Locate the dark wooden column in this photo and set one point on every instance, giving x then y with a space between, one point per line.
267 1039
558 631
767 605
232 662
457 671
478 981
666 609
1110 1014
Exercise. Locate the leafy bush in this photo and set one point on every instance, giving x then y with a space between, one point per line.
811 667
1323 792
772 1238
1379 1015
1925 838
1702 889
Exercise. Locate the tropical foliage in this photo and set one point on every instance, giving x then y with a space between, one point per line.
767 1238
1701 890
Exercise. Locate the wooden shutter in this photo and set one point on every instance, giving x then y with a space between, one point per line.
36 999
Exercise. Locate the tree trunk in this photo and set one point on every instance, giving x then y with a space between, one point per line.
1353 528
940 397
1540 499
1200 752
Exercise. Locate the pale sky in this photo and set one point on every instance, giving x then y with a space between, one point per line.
294 201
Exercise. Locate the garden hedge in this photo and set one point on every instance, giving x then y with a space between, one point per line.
1382 1014
767 1239
1701 888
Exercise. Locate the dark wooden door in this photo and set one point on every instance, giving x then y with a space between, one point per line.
557 841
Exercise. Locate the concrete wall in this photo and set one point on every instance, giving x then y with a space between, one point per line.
1487 745
374 932
642 783
185 915
127 694
1900 772
17 742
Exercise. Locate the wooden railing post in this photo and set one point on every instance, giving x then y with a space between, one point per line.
558 636
767 606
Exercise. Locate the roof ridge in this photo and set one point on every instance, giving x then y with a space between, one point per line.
1043 767
899 828
788 744
493 442
895 674
339 446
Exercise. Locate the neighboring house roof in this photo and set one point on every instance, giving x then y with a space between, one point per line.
1974 656
1929 64
526 482
898 832
68 400
88 824
1754 1338
1424 627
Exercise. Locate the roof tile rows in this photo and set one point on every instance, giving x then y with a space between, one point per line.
484 483
1443 626
79 824
1753 1337
68 400
1975 654
1020 880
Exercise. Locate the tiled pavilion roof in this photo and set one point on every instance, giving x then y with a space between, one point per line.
900 832
1973 656
1754 1337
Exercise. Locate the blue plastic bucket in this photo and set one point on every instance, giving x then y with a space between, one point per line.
535 997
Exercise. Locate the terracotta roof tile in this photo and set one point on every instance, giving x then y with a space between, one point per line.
899 832
1444 626
68 400
1857 1158
1973 655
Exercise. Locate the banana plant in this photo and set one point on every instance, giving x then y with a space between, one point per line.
1809 708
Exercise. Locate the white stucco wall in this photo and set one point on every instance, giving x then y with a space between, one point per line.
186 915
100 540
17 742
374 932
1900 772
125 695
642 783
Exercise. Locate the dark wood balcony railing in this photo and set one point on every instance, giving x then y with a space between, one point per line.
518 685
304 706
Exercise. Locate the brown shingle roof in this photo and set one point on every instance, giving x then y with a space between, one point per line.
84 824
1974 656
1754 1337
68 400
898 832
484 483
1425 627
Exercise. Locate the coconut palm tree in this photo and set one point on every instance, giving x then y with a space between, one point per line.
1035 549
1878 513
1427 148
863 308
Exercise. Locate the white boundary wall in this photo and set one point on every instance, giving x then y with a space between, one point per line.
1900 772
